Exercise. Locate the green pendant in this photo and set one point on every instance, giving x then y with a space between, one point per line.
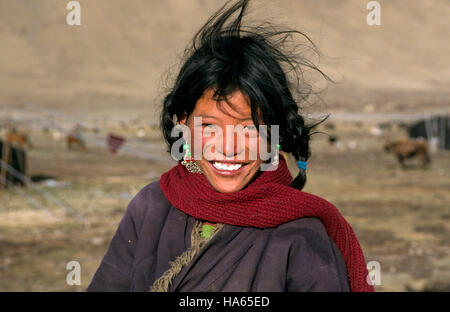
207 230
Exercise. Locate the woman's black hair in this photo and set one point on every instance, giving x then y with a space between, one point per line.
227 56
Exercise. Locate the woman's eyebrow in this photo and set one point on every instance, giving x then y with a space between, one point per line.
215 117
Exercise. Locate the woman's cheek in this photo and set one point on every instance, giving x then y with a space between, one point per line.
253 147
208 146
196 144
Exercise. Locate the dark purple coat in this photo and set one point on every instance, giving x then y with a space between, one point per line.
295 256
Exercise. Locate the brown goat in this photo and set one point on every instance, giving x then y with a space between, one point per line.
18 138
409 148
75 139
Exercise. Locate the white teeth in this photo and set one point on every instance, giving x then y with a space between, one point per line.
222 166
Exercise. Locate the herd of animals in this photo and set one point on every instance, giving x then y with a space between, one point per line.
17 142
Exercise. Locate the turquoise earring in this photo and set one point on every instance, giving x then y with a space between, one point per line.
276 157
189 162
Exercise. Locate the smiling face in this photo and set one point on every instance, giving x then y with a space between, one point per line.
229 159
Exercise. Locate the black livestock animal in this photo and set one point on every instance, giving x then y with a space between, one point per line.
16 159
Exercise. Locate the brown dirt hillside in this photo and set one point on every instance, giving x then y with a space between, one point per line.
118 59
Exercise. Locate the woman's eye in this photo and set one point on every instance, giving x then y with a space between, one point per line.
208 126
251 130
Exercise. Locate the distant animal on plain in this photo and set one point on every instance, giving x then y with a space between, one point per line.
16 158
405 148
385 126
75 140
332 139
18 138
376 131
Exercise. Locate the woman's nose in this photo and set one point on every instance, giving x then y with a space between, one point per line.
230 144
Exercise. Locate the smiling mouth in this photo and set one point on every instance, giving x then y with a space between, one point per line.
228 168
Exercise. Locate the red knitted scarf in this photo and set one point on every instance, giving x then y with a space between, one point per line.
266 202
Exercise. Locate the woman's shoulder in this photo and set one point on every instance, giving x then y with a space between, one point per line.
307 235
151 190
301 227
317 262
310 227
150 199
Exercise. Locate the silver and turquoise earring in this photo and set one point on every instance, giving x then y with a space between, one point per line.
189 162
276 157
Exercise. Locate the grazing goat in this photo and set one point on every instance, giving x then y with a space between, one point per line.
18 139
75 139
409 148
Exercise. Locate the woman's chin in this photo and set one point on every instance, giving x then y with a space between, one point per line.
227 182
226 187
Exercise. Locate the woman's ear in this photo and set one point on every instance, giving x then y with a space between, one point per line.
182 120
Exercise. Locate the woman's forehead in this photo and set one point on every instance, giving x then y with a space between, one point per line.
235 106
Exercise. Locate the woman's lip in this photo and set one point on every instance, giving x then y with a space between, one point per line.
234 162
228 172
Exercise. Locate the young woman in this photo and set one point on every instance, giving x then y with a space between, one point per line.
228 218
